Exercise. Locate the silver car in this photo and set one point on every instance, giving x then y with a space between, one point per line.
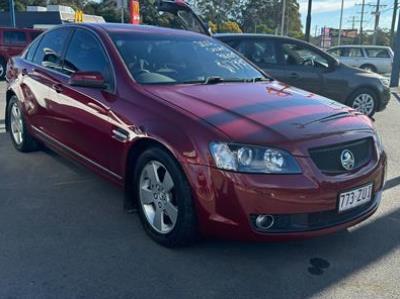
377 59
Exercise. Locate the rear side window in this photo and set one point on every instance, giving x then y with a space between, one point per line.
14 38
261 52
50 49
85 53
352 52
377 53
32 50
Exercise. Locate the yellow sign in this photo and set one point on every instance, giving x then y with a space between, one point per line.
78 16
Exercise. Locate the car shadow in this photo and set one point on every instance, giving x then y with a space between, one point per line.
73 226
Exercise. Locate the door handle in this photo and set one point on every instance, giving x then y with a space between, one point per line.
98 108
58 88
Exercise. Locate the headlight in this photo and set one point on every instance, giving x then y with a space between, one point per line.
385 82
253 159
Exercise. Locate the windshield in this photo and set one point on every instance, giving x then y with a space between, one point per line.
165 59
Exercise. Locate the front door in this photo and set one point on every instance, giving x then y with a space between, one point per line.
301 66
86 124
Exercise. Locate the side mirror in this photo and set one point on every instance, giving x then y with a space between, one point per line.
87 79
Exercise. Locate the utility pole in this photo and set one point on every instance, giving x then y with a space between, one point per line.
283 17
377 14
362 20
394 79
308 22
353 22
395 7
316 31
12 13
340 23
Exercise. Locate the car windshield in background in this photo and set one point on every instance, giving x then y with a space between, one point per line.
160 59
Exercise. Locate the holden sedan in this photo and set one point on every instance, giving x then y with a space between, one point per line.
201 140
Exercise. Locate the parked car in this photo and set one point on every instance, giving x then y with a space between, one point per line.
207 145
377 59
302 65
13 42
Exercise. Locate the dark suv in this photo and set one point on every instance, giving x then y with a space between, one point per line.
305 66
12 42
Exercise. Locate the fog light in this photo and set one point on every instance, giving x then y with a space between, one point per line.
264 222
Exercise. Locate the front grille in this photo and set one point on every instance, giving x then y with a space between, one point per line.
292 223
328 160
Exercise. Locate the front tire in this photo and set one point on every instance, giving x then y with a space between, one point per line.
2 68
365 101
20 136
164 199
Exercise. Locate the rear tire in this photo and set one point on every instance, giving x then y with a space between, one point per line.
162 192
365 101
16 126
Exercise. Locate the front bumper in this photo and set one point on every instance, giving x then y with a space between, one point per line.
305 205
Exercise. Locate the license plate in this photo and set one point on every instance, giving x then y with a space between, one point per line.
357 197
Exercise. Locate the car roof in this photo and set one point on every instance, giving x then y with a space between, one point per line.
118 27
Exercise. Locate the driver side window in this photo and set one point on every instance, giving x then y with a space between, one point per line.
299 55
86 54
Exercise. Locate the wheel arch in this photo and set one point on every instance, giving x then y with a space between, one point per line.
374 90
370 65
135 150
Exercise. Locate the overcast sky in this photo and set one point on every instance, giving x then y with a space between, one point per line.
327 13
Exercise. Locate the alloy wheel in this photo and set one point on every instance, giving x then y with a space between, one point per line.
157 197
364 103
17 126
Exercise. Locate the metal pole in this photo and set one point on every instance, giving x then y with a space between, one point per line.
396 4
283 17
340 24
362 21
12 13
308 23
377 17
394 79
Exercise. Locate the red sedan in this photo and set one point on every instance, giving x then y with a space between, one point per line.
200 139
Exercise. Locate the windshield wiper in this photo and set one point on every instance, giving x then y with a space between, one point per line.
214 80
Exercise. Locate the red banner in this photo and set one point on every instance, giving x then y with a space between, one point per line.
134 8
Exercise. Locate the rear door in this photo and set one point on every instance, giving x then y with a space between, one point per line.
381 58
40 77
